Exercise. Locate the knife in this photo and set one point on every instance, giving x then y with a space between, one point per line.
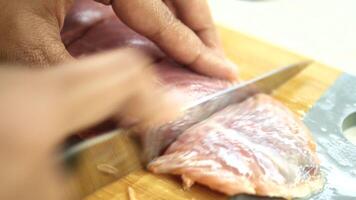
103 159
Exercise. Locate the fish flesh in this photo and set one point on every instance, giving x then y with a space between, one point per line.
91 27
186 82
256 147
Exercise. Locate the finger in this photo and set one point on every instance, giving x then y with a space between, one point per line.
95 88
196 15
172 101
154 20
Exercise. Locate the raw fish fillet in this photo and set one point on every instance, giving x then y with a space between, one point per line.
81 17
256 147
91 27
190 84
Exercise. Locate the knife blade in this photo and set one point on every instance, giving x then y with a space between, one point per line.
106 158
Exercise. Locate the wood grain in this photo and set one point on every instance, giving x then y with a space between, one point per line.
253 58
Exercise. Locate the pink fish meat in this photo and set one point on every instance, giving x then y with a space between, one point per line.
256 147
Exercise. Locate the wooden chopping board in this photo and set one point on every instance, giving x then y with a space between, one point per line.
253 58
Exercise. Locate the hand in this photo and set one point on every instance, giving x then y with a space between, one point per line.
39 108
30 31
182 28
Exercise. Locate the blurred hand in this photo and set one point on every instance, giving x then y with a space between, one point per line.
39 108
30 31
